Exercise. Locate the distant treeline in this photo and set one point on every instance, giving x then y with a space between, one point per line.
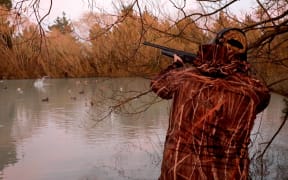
114 46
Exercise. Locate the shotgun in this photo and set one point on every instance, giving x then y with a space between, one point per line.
185 56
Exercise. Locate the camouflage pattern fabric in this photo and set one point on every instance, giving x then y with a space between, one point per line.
214 107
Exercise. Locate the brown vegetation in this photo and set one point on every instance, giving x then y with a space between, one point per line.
114 46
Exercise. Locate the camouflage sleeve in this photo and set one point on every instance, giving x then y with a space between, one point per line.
262 94
165 83
265 99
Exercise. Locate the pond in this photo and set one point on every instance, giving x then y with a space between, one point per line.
86 129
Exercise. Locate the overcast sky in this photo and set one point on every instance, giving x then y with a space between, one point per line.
75 8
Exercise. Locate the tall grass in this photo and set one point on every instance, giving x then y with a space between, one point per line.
115 51
115 48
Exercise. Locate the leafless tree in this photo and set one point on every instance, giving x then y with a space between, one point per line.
266 31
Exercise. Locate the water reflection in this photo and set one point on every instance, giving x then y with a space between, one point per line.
274 163
58 131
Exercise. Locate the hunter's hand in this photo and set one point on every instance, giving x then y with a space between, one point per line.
177 60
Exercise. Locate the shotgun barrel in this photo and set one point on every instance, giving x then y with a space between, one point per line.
185 56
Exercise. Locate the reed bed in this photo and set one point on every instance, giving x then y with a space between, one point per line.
115 49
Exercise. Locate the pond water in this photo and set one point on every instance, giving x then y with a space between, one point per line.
76 129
